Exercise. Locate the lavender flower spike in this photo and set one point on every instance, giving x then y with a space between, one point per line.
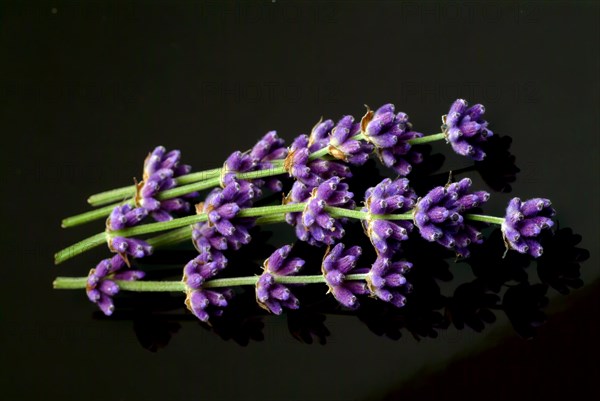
524 221
465 129
127 216
271 295
390 133
101 287
343 147
386 280
386 198
314 224
439 216
160 170
338 263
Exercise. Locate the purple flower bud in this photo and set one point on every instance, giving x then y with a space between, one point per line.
204 302
223 230
386 280
439 216
311 172
337 264
101 286
524 221
390 134
465 129
133 247
274 296
160 170
388 197
343 147
203 267
314 224
125 216
270 147
319 135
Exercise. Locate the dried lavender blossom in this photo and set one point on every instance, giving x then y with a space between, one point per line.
204 303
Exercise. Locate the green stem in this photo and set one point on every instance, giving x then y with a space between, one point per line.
171 238
427 139
80 247
74 283
485 219
113 195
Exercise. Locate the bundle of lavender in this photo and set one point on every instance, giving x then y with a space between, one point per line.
318 205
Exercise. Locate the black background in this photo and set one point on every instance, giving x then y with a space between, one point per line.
87 91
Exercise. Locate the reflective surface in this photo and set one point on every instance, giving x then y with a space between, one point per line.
88 91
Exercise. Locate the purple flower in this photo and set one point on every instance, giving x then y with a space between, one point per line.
311 172
223 230
203 267
204 303
270 147
339 263
343 147
314 224
319 135
124 216
465 129
388 197
270 294
439 216
101 285
524 221
390 133
160 170
386 280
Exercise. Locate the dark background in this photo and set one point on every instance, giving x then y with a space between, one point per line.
87 91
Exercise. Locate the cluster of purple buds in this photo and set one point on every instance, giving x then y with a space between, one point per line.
390 133
311 172
122 217
101 285
204 303
524 221
160 170
388 197
269 148
200 301
439 216
337 264
344 147
314 225
270 294
465 129
222 230
386 280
